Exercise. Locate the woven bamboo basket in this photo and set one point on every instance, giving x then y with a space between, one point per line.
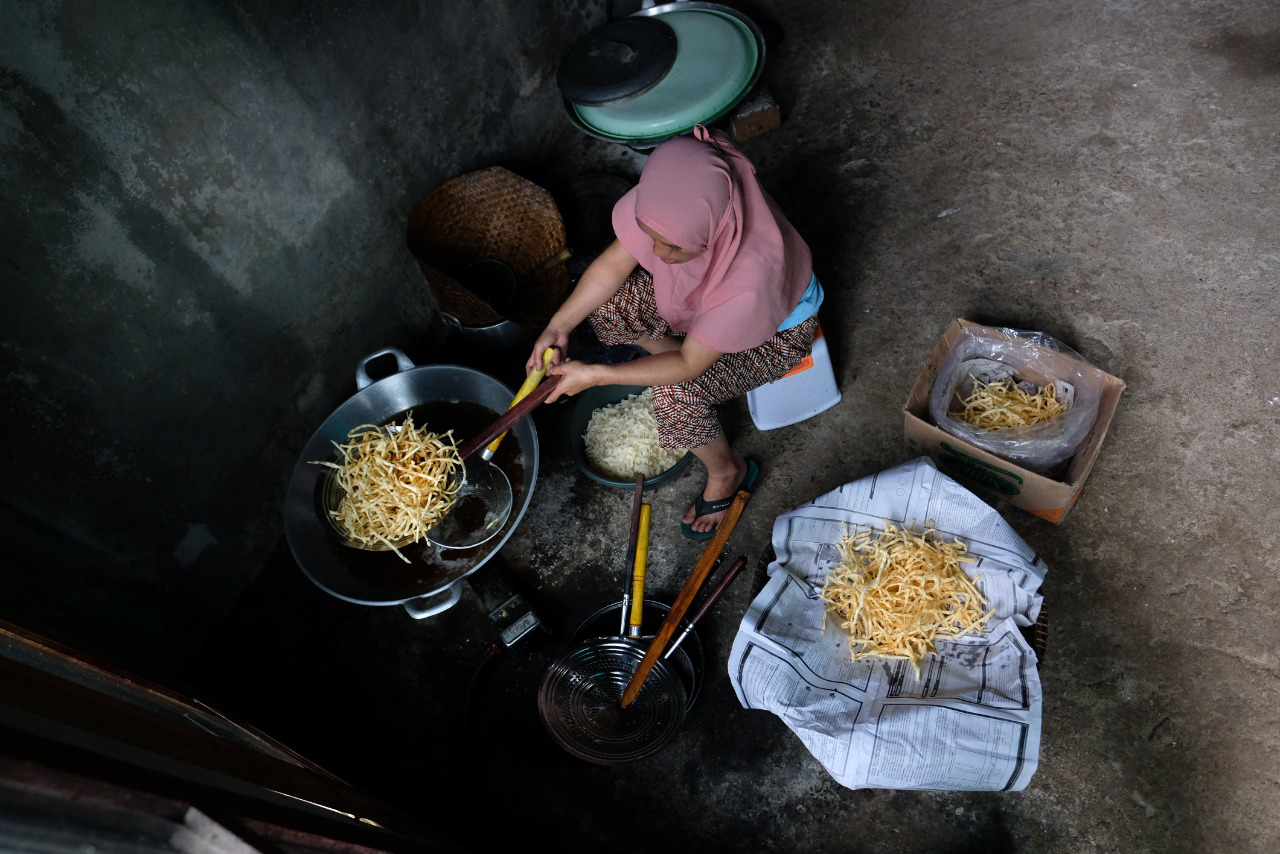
492 213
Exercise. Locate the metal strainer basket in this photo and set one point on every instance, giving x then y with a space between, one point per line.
580 703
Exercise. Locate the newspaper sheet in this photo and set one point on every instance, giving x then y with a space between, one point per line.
970 720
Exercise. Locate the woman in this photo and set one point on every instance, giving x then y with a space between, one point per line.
717 287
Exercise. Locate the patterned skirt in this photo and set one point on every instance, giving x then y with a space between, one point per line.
686 412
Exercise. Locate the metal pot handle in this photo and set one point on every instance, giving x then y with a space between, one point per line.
421 612
403 363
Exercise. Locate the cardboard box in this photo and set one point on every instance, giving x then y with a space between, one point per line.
1047 497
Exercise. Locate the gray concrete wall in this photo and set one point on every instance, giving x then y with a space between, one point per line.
203 211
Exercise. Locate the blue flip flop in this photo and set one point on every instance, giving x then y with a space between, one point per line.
702 507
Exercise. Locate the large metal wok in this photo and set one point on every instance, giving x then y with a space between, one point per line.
443 397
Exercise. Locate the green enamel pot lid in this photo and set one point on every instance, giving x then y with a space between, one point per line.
716 60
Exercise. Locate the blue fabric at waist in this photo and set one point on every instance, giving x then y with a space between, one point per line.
807 307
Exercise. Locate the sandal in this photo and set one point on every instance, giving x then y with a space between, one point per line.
702 507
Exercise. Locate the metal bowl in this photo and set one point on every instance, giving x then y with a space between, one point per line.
687 660
580 703
580 412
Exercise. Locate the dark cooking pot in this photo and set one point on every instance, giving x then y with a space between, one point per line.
443 397
503 335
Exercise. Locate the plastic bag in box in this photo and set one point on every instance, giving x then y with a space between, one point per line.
1029 359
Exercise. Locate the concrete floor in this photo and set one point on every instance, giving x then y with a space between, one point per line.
1106 173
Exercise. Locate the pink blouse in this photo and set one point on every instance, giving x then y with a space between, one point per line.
700 193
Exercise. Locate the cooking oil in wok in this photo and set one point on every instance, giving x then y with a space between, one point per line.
430 565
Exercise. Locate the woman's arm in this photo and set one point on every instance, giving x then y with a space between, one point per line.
670 368
600 282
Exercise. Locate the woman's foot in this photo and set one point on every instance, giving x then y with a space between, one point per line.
722 483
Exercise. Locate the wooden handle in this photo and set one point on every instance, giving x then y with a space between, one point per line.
718 590
510 417
710 601
685 599
629 563
530 383
637 577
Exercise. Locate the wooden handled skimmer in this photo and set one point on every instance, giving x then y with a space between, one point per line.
509 418
530 383
484 502
681 606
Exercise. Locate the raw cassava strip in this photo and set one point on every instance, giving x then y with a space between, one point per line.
621 440
897 592
397 482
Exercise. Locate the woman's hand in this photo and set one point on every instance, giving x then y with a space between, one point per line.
557 339
576 376
598 284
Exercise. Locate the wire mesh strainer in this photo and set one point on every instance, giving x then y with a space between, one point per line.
579 701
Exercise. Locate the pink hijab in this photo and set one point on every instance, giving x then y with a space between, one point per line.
702 194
